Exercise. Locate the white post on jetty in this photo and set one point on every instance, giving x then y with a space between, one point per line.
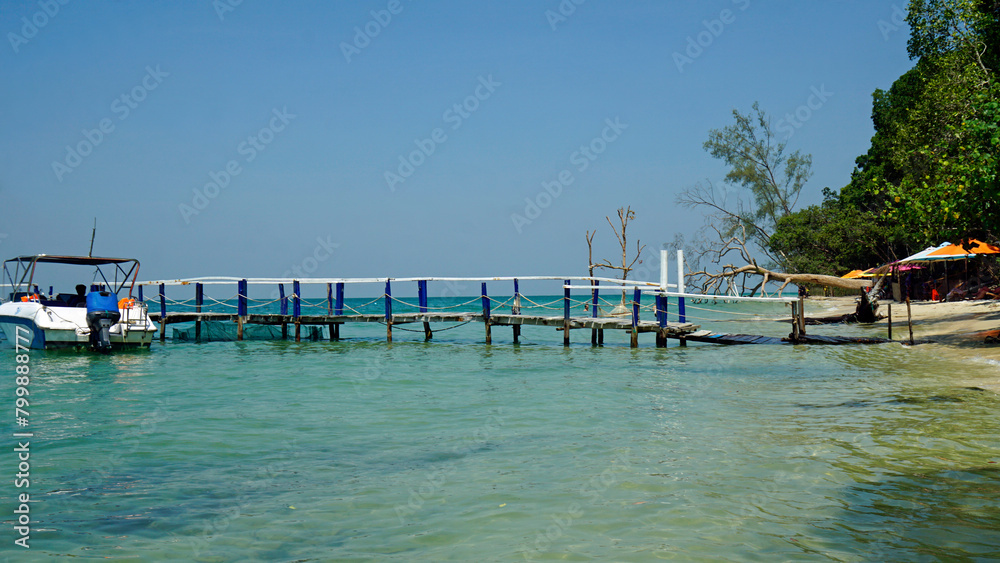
680 271
681 313
664 267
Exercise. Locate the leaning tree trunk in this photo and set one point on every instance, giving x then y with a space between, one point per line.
867 310
798 279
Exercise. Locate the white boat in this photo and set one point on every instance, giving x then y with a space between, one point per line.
95 319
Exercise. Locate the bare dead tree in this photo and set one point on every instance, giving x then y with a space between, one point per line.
729 218
590 263
590 252
625 214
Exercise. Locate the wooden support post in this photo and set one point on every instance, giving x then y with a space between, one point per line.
338 309
199 297
329 308
241 307
515 309
909 319
661 319
422 299
163 313
566 313
486 315
661 298
297 309
593 310
636 296
284 310
795 323
388 311
802 315
890 320
681 312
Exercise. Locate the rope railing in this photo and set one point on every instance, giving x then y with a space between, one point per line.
602 295
728 312
223 280
222 302
400 301
496 303
545 306
262 303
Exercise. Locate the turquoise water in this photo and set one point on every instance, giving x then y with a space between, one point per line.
455 450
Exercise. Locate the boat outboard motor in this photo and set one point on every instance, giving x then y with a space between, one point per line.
102 312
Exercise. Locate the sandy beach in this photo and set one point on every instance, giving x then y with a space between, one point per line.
957 330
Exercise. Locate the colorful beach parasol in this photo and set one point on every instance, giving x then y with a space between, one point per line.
958 252
922 255
852 274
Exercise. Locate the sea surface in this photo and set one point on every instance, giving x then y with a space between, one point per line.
454 450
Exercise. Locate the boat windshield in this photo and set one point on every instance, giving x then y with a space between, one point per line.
19 274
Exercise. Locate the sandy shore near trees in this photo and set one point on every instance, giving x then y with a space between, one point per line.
956 323
958 330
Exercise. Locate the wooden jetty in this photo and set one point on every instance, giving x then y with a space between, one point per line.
334 312
670 330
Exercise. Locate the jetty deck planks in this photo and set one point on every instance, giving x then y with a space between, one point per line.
686 331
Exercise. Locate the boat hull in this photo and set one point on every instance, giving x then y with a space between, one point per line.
42 327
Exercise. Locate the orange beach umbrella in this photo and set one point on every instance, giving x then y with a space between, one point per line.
957 251
852 274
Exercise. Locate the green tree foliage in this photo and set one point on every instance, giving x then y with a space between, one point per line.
946 145
759 164
832 238
931 173
756 160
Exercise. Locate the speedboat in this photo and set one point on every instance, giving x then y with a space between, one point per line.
95 319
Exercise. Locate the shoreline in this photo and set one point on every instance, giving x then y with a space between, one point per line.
958 331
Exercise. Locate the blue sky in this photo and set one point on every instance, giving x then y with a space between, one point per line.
309 116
